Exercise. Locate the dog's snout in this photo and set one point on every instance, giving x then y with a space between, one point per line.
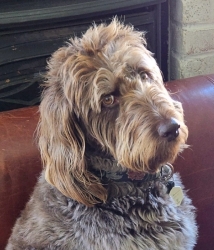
169 129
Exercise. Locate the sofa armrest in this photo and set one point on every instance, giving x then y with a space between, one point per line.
196 164
19 165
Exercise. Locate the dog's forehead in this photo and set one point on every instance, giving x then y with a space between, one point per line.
113 58
120 59
134 61
122 65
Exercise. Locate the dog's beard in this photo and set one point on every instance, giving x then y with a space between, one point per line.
147 153
139 146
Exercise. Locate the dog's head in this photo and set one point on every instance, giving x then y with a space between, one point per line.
105 92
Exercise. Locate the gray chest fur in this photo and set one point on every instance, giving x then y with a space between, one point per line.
140 220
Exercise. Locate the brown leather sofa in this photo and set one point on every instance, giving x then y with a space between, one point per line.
20 161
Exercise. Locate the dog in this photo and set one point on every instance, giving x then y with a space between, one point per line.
108 134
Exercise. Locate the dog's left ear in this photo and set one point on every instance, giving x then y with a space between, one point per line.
62 142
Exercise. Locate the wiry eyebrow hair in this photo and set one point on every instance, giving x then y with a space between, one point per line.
104 82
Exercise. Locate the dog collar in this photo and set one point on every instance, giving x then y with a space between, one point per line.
164 174
110 173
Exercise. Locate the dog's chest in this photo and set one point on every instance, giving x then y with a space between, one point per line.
126 223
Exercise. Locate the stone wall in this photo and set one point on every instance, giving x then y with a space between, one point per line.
191 38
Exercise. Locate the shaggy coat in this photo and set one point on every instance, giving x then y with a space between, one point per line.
107 129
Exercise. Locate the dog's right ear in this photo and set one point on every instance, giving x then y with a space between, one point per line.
61 140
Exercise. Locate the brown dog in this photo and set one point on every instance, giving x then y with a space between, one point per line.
107 132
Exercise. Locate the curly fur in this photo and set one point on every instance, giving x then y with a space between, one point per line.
71 208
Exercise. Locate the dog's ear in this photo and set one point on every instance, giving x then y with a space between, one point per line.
62 142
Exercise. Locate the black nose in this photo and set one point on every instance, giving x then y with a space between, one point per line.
169 129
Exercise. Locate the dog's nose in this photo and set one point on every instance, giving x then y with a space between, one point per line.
169 129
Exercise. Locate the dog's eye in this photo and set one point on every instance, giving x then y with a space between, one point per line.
108 100
143 75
